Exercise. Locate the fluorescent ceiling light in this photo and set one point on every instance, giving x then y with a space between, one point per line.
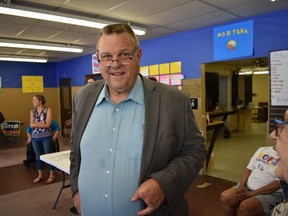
245 72
36 60
39 47
58 18
252 72
260 72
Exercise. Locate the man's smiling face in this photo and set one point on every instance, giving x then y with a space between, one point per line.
119 78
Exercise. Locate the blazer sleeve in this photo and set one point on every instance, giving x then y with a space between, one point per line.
182 149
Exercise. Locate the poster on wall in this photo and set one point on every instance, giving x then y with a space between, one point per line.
175 67
165 79
232 41
164 68
167 73
154 70
176 79
279 77
32 84
95 65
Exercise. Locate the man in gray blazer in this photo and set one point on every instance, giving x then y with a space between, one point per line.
136 147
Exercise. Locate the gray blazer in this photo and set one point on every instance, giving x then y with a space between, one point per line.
173 150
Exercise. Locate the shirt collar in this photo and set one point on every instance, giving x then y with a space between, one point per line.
136 94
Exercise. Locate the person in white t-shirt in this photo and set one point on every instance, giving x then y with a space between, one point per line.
258 191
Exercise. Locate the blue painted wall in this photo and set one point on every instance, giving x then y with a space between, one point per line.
11 73
195 47
76 69
192 48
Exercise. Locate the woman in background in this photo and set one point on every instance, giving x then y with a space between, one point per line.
40 121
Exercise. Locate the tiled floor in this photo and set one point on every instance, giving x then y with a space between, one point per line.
230 157
36 201
203 193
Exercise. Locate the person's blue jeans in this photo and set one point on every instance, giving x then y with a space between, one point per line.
45 146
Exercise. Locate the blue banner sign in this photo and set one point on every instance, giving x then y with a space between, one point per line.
232 41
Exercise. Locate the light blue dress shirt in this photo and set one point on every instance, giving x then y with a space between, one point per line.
111 149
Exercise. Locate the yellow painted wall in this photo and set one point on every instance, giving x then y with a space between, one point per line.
260 88
16 105
193 88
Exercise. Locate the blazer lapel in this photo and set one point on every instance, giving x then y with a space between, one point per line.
152 109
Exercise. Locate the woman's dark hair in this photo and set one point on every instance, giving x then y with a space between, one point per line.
41 98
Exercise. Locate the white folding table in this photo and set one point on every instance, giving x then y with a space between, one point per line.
61 161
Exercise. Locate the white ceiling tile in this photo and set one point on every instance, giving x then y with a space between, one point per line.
87 41
205 20
49 2
10 29
16 20
181 12
134 10
258 7
67 36
157 32
229 3
52 25
93 6
35 33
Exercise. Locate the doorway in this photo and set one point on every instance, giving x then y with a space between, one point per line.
65 101
230 156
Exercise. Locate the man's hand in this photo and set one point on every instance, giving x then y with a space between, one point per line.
152 194
241 195
77 202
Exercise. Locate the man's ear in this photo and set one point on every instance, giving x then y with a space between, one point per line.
139 53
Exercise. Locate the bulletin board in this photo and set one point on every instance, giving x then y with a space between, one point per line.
278 62
167 73
279 77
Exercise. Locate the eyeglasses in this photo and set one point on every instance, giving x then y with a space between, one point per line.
123 58
280 124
